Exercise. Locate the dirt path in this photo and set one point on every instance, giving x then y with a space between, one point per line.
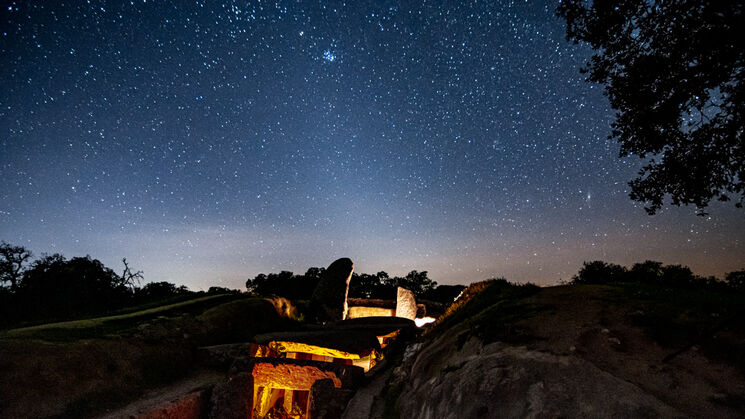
169 395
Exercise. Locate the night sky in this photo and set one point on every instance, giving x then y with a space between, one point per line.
207 142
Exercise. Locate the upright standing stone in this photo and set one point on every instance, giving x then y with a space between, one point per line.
405 304
329 300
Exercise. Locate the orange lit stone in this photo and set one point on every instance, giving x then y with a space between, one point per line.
386 339
281 346
357 312
289 376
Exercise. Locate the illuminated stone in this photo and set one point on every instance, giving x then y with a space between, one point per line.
290 376
311 349
405 304
387 338
356 312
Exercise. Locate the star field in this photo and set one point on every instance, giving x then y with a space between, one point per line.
208 142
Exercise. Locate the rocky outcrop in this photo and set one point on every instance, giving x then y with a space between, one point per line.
448 380
329 300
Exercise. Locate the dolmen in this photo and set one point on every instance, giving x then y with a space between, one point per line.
313 373
306 374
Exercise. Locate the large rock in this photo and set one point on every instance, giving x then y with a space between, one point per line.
269 372
468 380
405 304
355 341
329 300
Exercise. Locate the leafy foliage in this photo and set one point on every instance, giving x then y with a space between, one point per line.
655 273
56 287
160 290
599 272
286 284
415 281
12 263
379 285
53 287
736 280
674 72
300 287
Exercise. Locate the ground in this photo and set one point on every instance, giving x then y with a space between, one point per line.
94 366
582 350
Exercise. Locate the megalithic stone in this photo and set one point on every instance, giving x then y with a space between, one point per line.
329 300
405 304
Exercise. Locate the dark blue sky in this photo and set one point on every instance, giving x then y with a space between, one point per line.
208 142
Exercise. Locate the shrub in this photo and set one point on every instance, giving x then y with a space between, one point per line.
647 272
736 280
679 275
599 272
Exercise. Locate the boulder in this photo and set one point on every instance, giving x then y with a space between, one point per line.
454 379
405 304
329 300
355 341
269 372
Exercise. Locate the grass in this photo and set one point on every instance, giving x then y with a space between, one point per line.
676 316
103 326
500 321
490 309
102 363
680 318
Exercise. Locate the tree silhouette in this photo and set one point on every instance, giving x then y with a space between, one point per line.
371 286
129 278
736 280
56 287
286 284
12 261
599 272
674 73
160 290
415 281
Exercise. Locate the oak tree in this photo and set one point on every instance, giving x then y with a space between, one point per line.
673 71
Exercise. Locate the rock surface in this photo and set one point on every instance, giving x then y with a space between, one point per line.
349 376
405 304
499 380
329 300
327 401
568 351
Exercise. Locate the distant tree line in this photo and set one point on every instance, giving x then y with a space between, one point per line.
651 272
379 286
53 287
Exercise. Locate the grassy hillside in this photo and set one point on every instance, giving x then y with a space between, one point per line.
84 367
101 326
